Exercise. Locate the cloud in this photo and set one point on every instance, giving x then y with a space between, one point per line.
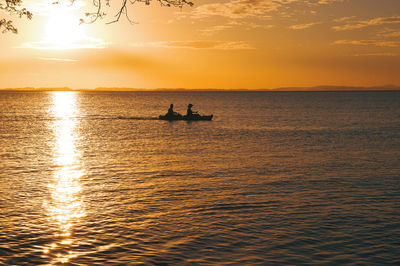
238 9
369 43
86 43
217 28
303 26
234 25
390 34
57 59
367 23
342 19
256 11
210 45
377 54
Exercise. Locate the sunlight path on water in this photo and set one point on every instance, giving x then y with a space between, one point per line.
65 207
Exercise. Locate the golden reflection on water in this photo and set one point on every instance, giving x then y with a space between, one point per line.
65 206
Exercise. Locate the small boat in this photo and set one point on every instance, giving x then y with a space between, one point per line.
194 117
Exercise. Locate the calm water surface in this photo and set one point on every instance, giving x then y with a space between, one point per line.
90 178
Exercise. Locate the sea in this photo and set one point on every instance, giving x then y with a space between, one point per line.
276 178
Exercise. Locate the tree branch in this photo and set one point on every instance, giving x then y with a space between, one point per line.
14 7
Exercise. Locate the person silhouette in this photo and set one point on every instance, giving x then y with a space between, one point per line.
189 111
170 110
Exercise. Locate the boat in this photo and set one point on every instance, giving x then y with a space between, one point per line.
194 117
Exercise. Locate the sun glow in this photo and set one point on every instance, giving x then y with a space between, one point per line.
63 30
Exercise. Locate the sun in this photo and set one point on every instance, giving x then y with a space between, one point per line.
62 29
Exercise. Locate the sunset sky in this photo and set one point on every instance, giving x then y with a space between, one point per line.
226 44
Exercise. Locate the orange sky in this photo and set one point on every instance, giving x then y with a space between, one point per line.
215 44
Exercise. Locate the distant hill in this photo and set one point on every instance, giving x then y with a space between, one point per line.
37 89
316 88
339 88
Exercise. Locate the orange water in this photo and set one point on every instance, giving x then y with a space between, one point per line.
275 178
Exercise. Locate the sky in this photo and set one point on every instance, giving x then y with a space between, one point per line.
222 44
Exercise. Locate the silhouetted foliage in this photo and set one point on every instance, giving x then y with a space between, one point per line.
12 7
16 8
102 5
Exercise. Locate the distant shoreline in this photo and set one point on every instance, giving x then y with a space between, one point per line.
282 89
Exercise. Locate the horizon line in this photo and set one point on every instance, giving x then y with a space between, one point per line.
300 88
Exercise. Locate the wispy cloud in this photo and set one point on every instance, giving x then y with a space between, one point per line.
367 23
390 34
214 29
211 45
378 43
87 43
238 8
304 26
232 25
377 55
57 59
251 8
342 19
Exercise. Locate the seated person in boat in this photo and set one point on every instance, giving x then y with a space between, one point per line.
171 111
190 112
